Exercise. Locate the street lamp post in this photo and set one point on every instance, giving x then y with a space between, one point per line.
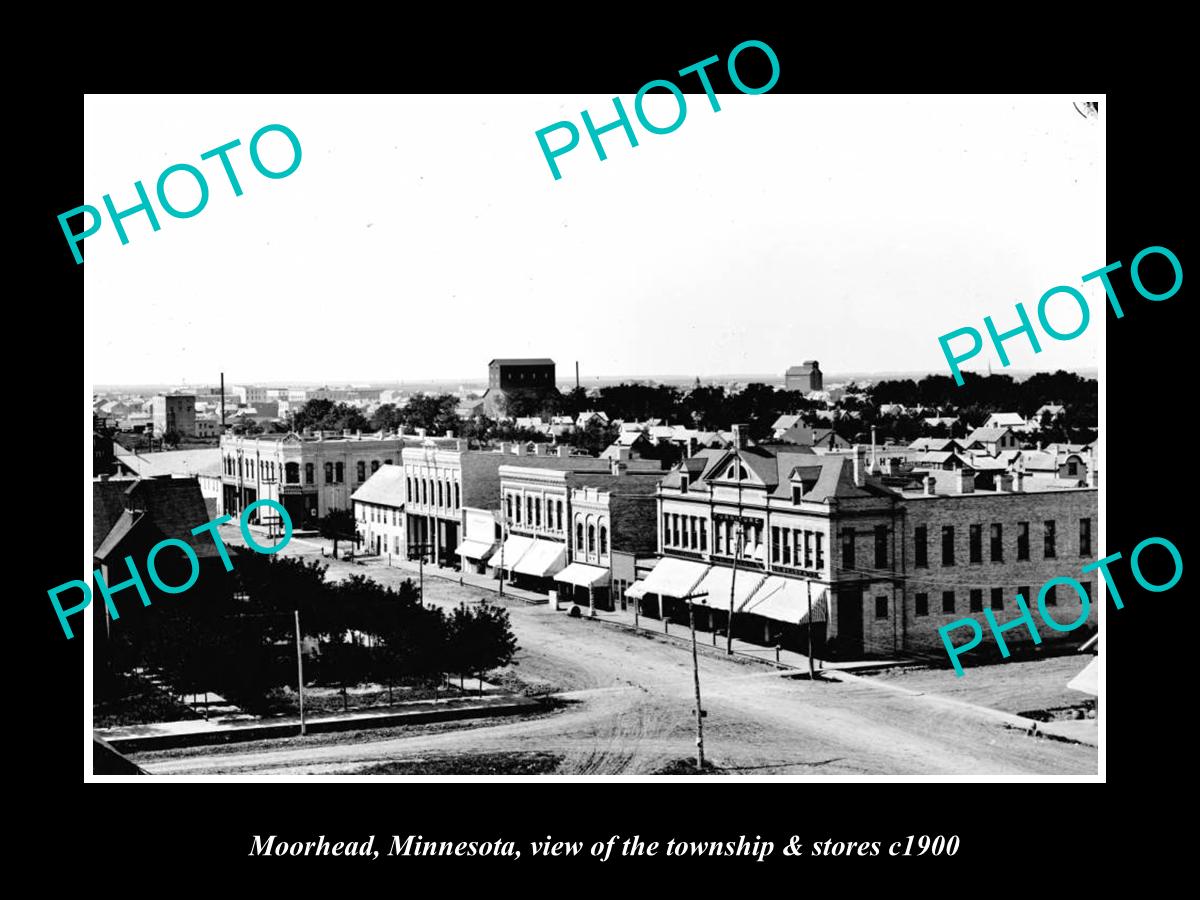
690 598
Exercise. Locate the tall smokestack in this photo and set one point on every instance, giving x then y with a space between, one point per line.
576 373
222 402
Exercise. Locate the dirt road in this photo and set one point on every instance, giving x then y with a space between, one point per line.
628 710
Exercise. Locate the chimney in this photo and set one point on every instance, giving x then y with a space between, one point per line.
358 434
860 465
345 432
1039 446
1019 481
1004 483
449 434
421 432
520 448
505 447
563 451
320 434
460 445
874 455
739 436
966 481
930 484
539 449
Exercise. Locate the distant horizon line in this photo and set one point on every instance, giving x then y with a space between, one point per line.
751 377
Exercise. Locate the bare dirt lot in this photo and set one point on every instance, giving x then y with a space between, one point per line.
627 702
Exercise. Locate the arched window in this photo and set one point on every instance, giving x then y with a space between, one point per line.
579 535
558 514
361 470
537 514
439 493
528 510
374 466
309 473
457 501
603 539
425 491
329 473
341 472
239 465
508 507
292 472
591 538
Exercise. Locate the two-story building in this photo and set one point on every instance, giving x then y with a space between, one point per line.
310 475
542 532
379 512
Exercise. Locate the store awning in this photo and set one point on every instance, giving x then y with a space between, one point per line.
544 558
718 581
786 600
515 547
671 578
1087 681
475 549
582 575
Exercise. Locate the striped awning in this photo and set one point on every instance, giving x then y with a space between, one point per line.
786 600
671 578
718 582
515 547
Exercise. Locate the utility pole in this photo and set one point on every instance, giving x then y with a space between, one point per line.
300 673
811 676
691 598
424 548
503 541
732 583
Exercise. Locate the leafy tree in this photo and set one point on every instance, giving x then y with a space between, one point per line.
593 438
172 438
338 524
433 412
326 415
387 418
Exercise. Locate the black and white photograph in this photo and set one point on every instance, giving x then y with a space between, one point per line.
540 448
527 435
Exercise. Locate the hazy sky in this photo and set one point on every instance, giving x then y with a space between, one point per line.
422 236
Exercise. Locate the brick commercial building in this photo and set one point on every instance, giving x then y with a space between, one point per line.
308 474
884 561
544 533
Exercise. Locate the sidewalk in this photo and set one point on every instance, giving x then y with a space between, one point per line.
195 732
625 619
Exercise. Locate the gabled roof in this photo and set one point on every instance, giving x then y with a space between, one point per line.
784 422
987 435
1000 419
172 506
385 487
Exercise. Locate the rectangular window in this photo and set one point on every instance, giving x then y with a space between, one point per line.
997 598
920 548
947 601
976 543
1022 540
1024 592
787 546
686 542
718 533
881 554
808 559
1087 589
976 600
947 545
1085 537
922 604
997 542
703 534
848 560
820 550
775 542
881 607
1048 539
1052 595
